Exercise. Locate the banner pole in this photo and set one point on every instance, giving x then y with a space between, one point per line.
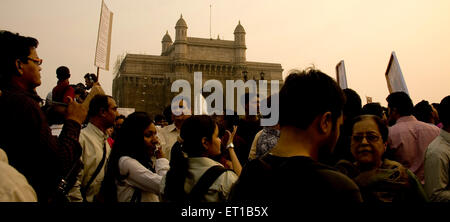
98 73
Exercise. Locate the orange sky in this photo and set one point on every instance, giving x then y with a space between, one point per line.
296 34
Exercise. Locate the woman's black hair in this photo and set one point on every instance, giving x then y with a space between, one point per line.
129 142
193 130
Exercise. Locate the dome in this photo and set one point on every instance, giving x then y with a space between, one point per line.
181 22
166 37
239 29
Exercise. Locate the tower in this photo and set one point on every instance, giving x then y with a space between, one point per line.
239 43
180 39
166 42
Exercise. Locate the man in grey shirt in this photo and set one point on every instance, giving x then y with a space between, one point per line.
437 184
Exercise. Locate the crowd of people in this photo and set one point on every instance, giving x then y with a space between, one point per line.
326 148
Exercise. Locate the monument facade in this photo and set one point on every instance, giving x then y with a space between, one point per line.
144 82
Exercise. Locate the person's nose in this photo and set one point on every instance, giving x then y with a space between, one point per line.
364 141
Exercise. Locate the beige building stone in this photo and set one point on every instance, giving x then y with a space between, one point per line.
143 82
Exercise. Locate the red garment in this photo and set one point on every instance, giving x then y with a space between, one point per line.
110 141
61 91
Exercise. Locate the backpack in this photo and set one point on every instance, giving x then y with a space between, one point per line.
204 183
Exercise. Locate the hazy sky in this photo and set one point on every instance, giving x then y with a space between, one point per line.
294 33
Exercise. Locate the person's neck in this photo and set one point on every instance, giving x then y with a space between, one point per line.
98 123
64 81
178 124
21 85
295 142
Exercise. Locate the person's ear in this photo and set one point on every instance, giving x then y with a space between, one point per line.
19 66
102 111
205 143
325 123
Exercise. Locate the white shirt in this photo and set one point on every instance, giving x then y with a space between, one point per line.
14 187
437 168
142 178
219 190
168 136
92 140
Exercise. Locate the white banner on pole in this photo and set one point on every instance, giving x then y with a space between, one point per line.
394 76
103 49
341 76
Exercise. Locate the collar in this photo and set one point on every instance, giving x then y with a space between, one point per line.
100 134
171 127
406 119
195 162
445 135
12 89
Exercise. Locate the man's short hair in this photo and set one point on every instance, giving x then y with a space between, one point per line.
307 94
353 104
444 111
91 76
62 73
423 111
402 102
97 103
120 117
13 47
373 109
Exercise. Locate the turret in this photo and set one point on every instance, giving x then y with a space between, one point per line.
239 43
180 39
166 42
181 30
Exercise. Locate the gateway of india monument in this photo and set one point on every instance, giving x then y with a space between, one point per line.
144 82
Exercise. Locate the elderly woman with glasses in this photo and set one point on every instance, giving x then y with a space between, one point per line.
379 179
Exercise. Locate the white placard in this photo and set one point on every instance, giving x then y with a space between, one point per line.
394 76
125 111
103 49
341 76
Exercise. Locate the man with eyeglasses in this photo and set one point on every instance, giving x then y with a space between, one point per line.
24 132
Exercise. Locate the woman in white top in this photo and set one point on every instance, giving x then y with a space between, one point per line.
191 159
131 175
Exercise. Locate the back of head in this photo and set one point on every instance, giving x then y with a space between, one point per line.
62 73
91 76
159 118
13 47
192 131
307 94
167 112
444 111
352 106
98 103
402 102
423 111
373 109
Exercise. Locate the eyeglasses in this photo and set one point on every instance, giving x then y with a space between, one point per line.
36 61
370 137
